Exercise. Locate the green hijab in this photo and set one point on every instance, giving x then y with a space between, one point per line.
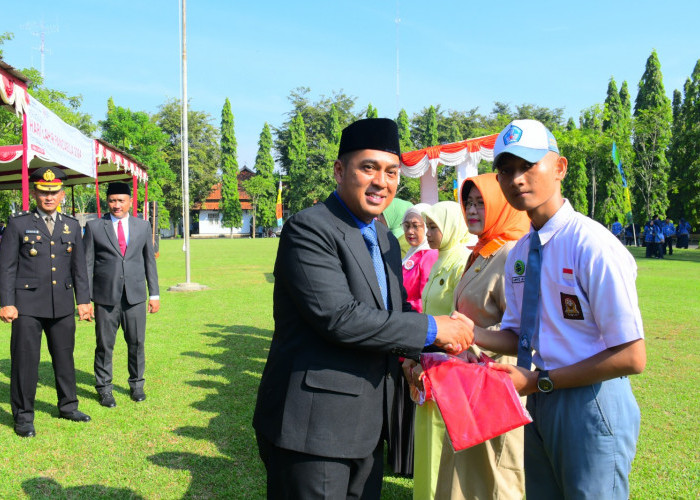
393 214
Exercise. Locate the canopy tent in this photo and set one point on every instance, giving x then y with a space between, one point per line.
464 155
49 141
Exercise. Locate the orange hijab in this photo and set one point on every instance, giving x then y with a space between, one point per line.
501 221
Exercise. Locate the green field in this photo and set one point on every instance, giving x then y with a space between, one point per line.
205 351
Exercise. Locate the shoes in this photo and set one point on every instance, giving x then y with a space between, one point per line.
25 431
75 416
107 400
137 395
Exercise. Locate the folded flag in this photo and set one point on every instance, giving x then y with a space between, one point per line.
476 402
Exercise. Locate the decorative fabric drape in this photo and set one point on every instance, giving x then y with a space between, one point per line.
13 94
103 152
468 152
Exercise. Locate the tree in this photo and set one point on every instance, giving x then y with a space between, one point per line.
371 111
409 187
652 135
299 173
138 135
684 153
574 145
230 206
321 144
257 188
203 154
264 204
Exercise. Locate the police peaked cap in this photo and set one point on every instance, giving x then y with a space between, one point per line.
381 134
48 179
118 188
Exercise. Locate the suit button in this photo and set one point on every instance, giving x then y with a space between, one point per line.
53 256
53 282
26 286
53 269
53 243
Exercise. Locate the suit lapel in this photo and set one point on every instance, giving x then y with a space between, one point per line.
356 244
111 236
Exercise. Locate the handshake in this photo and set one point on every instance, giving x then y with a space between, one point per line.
455 332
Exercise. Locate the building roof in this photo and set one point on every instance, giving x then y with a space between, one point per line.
214 196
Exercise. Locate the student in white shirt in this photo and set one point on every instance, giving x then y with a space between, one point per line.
587 335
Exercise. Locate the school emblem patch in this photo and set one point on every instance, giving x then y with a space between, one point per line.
571 306
512 135
519 267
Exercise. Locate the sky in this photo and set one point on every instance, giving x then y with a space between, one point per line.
457 54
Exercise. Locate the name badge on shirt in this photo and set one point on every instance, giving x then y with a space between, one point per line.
31 231
571 306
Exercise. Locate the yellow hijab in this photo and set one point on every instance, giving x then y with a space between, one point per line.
452 257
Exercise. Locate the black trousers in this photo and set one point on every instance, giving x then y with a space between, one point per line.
25 350
292 475
108 319
668 243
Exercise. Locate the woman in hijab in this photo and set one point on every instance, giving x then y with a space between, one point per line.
392 217
420 257
493 469
446 232
416 267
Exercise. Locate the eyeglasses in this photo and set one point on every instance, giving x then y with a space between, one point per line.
479 205
407 226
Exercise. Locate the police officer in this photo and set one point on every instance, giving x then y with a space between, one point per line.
42 267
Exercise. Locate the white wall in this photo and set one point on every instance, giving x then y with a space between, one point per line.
210 223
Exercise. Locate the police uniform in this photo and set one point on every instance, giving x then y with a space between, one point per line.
40 273
588 303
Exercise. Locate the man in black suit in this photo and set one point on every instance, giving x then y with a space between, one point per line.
42 266
120 262
341 321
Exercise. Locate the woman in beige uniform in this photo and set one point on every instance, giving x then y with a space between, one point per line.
493 469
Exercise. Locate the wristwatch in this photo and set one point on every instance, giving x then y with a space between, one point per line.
544 383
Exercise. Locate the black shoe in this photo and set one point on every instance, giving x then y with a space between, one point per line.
107 400
75 416
25 431
138 395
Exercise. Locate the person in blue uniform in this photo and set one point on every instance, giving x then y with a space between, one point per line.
42 269
683 233
669 234
659 240
649 242
617 230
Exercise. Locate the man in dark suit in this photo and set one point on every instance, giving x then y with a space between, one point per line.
120 262
42 266
341 321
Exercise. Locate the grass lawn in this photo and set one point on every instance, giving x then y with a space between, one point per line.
192 437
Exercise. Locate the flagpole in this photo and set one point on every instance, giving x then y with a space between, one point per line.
187 286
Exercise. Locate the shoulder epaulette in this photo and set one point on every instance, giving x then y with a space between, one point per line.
19 214
68 216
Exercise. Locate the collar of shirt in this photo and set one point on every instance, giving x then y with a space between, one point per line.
44 215
556 223
115 220
359 223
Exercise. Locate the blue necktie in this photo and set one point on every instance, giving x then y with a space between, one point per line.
370 237
529 315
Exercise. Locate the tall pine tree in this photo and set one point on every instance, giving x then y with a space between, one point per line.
299 172
409 187
230 205
264 166
685 152
371 111
652 136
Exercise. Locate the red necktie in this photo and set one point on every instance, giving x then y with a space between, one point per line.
121 237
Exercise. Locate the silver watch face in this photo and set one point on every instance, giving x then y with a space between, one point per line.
544 384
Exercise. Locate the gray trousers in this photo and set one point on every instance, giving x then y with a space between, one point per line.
132 319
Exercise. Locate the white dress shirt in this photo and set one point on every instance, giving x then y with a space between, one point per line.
588 299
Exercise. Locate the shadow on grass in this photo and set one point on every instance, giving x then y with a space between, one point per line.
46 378
242 351
45 488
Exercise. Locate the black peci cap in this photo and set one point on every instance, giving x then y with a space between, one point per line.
381 134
